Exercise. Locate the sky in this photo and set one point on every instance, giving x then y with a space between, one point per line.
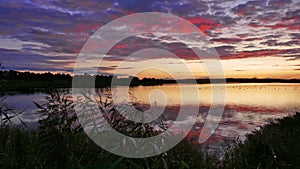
254 39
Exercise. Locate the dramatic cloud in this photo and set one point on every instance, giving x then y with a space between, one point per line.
48 35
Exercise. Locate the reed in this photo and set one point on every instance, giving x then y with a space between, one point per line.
59 142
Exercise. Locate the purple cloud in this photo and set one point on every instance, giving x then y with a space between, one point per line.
49 34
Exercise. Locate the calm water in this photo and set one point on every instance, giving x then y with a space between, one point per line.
247 106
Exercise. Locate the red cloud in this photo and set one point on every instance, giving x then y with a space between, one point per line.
84 28
234 40
227 40
254 53
120 46
289 24
203 24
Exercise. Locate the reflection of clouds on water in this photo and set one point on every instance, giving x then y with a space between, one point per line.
24 102
248 106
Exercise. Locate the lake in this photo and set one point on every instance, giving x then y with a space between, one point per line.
247 106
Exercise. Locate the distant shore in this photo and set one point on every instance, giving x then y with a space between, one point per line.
22 81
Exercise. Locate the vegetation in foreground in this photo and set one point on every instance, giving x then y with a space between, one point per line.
275 145
60 143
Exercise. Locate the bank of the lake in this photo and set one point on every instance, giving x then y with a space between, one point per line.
275 145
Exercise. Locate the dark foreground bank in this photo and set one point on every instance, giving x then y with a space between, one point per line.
275 145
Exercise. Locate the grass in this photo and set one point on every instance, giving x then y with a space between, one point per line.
60 142
26 149
275 145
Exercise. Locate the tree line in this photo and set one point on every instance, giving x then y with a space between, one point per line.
16 79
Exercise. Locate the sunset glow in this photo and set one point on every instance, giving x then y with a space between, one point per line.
254 39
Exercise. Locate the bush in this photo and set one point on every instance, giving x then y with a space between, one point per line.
63 144
275 145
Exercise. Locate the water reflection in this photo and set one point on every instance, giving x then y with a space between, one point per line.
247 106
265 95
